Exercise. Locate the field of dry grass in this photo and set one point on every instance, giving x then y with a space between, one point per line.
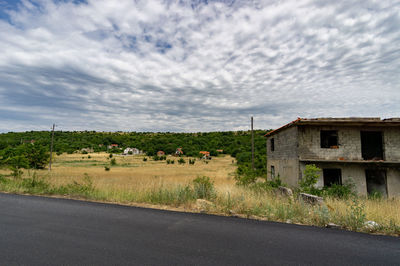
131 172
133 181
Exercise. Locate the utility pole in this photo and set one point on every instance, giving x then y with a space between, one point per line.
51 146
252 145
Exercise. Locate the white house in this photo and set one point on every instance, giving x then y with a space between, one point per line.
132 151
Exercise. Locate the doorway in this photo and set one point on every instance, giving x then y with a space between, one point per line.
376 182
371 145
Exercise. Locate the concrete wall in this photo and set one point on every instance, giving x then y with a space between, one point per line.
349 140
287 169
391 144
393 182
284 158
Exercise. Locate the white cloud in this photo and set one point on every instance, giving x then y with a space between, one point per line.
190 66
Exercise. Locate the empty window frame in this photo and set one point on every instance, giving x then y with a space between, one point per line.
272 171
332 176
372 145
329 139
272 144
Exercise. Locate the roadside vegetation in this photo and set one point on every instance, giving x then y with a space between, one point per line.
210 188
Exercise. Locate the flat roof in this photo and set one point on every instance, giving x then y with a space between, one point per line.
343 121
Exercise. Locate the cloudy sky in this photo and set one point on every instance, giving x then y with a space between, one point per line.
195 65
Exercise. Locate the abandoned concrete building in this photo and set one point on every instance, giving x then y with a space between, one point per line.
363 151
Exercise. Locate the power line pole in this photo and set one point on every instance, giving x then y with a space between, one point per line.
51 146
252 145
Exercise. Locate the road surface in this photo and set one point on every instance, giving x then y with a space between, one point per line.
47 231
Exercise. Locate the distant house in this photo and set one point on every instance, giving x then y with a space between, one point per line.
133 151
112 146
160 153
206 154
87 150
178 152
220 151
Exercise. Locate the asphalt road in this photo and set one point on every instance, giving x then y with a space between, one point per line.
46 231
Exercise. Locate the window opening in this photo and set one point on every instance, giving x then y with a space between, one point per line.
329 139
272 144
272 171
332 176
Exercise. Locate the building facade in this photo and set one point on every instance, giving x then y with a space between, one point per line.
363 151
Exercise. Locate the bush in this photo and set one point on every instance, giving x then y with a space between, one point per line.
106 168
113 161
310 178
84 152
375 195
356 216
181 161
245 176
339 191
276 182
192 161
144 159
110 155
203 188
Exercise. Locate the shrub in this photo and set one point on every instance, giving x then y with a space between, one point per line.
181 161
144 159
356 216
89 157
156 158
375 195
84 152
113 161
310 178
276 182
245 176
110 155
203 188
339 191
192 161
106 168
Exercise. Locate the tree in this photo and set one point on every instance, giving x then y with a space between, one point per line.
37 155
16 163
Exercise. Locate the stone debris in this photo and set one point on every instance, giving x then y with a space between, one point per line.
203 205
371 225
332 225
286 191
311 199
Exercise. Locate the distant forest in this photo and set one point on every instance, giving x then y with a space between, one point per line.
237 143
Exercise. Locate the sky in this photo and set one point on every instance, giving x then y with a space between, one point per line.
195 65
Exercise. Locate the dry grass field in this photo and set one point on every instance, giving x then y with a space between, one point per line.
131 172
134 181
